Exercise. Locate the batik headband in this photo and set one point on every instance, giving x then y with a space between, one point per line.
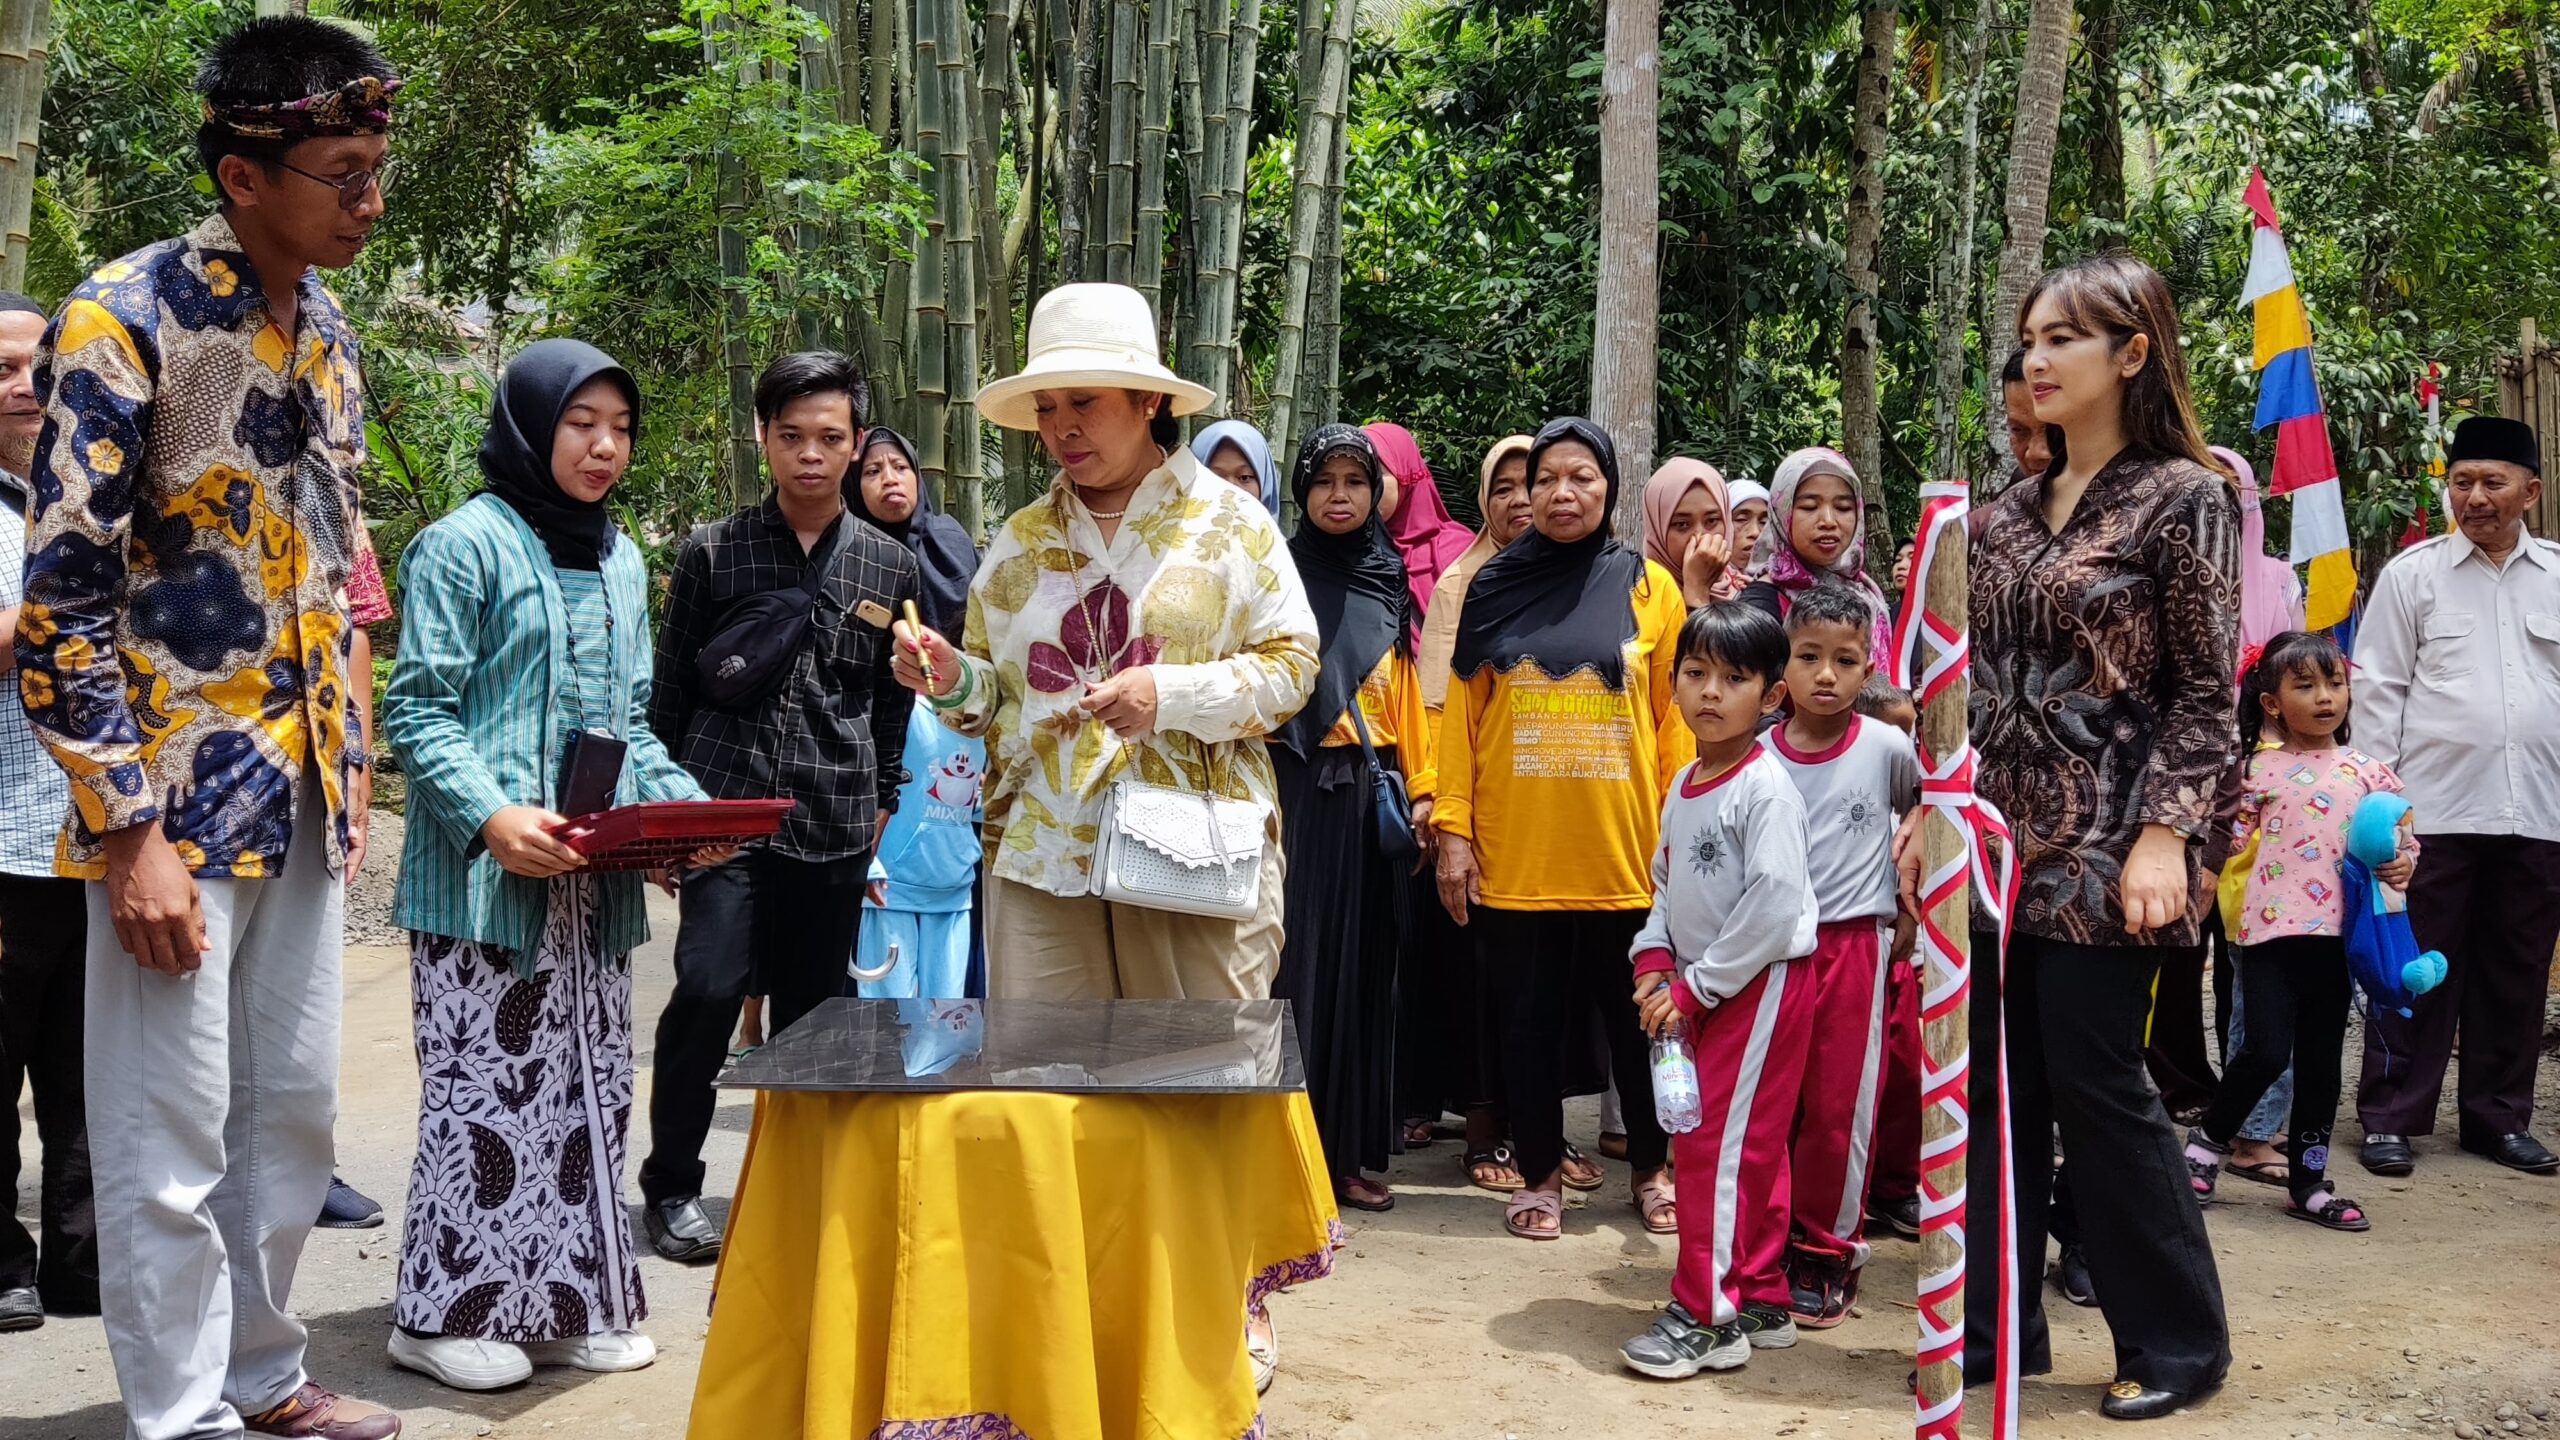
360 107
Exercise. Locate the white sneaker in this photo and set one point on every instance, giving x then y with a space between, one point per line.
606 1353
461 1362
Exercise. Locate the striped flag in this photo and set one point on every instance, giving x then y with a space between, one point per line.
2306 470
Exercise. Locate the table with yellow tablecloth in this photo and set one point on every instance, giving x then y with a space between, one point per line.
1008 1263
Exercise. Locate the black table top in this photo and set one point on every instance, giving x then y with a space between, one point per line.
1096 1047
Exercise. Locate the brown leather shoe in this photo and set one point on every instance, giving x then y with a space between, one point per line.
324 1415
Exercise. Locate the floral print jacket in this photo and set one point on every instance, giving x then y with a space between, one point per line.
1197 585
184 642
2102 684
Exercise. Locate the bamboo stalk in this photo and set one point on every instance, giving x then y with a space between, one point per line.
1324 361
1155 116
1314 170
929 278
737 353
1947 1037
1120 208
1075 182
1204 127
1952 284
955 197
897 284
22 73
996 70
1019 486
1244 56
818 77
1195 119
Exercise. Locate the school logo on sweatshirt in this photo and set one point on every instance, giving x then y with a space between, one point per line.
1858 814
1707 854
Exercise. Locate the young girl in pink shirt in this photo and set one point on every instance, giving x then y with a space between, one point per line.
2303 782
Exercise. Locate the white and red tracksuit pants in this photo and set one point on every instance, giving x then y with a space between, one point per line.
1731 1171
1893 1174
1835 1119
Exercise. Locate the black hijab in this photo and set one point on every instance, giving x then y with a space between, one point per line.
945 560
515 454
1355 584
1560 607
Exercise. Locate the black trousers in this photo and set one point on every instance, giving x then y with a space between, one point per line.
760 924
2491 903
2300 985
1552 971
44 929
2179 1062
2073 1037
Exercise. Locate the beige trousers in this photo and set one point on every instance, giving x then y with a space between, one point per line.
1054 947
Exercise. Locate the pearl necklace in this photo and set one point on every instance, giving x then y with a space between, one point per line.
1108 514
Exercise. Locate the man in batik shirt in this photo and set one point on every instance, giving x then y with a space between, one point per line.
185 653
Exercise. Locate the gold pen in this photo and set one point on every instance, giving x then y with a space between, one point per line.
924 657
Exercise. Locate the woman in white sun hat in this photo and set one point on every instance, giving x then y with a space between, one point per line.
1141 621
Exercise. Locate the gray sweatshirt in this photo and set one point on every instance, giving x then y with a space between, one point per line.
1730 892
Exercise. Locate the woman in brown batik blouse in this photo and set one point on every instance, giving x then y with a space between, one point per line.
2106 597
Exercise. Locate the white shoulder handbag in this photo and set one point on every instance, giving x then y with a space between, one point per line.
1167 849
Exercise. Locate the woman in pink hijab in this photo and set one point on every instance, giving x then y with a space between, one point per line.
1687 518
2270 593
1417 521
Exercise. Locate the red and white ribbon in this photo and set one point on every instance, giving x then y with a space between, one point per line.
1946 785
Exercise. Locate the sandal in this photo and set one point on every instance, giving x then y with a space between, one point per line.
2333 1212
1525 1203
1659 1204
1419 1135
2265 1172
2202 1174
1501 1162
1377 1200
1588 1177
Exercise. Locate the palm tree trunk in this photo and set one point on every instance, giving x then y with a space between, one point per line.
1951 285
1625 322
2041 75
1861 412
1306 214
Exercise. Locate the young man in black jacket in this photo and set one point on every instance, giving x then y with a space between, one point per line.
827 730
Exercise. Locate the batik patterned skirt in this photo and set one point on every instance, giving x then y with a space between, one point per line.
516 1229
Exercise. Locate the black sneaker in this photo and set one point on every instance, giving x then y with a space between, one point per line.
1898 1218
1767 1327
20 1309
1676 1346
1822 1291
347 1208
2071 1277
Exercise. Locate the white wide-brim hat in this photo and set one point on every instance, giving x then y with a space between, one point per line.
1089 337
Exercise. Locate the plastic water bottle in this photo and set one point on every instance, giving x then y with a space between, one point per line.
1675 1082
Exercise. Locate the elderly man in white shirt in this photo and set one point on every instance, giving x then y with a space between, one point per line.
2457 677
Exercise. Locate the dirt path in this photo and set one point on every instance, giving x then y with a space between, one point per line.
1436 1325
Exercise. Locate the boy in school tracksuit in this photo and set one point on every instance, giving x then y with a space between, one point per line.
1855 777
1718 955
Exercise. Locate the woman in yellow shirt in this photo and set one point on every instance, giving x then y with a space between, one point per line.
1557 742
1346 917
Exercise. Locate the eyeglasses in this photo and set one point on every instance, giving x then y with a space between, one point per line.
351 188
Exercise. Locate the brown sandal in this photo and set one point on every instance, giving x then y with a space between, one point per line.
1501 1161
1525 1203
1588 1176
1654 1196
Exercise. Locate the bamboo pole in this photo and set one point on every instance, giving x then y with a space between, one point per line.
1019 483
996 74
1120 209
1946 1037
1952 283
1314 170
1205 119
1155 117
1324 362
1195 120
26 24
964 481
745 463
1244 57
1075 180
929 279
